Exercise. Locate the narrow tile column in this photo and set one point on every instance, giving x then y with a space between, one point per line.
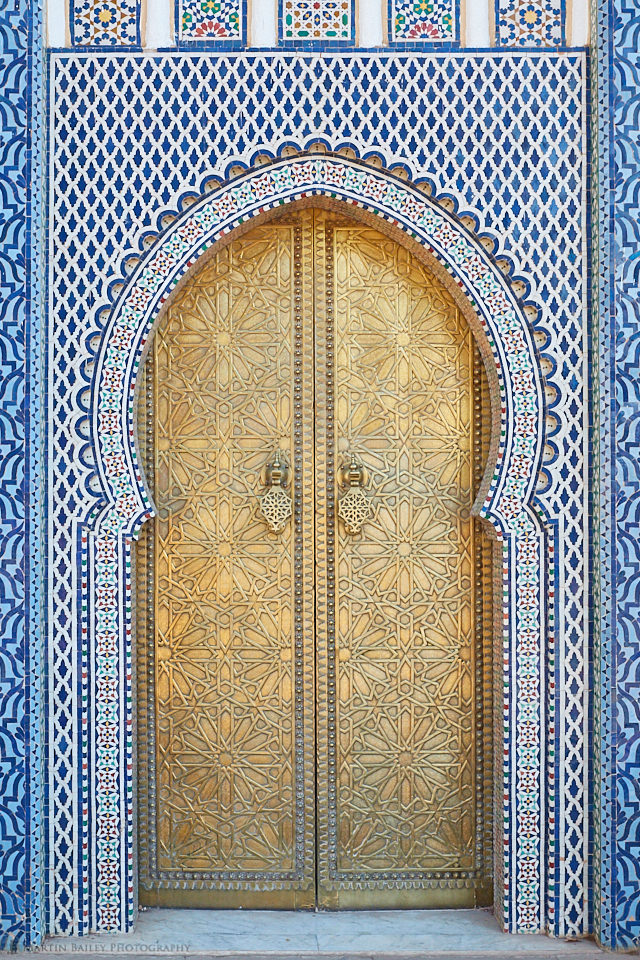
616 472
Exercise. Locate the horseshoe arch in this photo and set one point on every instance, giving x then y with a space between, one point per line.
505 501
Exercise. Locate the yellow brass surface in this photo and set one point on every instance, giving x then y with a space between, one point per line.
229 803
399 808
397 615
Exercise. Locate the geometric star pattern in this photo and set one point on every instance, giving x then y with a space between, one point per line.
317 19
424 21
406 650
410 802
530 24
222 370
105 23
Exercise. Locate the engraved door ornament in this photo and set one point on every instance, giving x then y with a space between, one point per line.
314 610
354 506
275 504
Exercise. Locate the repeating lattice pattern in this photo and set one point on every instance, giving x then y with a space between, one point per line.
190 118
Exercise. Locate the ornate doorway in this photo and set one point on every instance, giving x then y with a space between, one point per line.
314 609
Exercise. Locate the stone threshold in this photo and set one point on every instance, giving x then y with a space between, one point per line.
345 935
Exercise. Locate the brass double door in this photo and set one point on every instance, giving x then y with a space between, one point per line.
314 713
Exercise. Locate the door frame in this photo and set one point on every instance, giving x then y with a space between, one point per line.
106 877
169 886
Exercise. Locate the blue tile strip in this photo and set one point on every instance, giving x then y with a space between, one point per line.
21 828
616 100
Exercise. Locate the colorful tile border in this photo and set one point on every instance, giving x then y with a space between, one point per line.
424 21
530 23
104 23
21 475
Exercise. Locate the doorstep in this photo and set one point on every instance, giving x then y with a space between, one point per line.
361 935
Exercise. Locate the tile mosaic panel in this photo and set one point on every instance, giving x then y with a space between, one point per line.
211 20
21 807
540 23
317 20
196 117
427 21
104 23
616 213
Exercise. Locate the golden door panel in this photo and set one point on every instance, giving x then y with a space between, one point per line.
400 797
380 426
227 755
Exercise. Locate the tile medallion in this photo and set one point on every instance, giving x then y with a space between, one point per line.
428 21
530 24
523 198
212 20
104 23
317 20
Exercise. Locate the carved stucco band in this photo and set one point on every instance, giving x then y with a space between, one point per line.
508 491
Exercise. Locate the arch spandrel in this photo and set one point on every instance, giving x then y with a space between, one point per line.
510 478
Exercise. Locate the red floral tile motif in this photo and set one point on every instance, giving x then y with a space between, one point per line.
429 20
210 20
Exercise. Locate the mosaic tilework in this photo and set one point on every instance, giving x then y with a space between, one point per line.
435 21
104 23
540 23
616 85
317 19
211 20
447 134
20 474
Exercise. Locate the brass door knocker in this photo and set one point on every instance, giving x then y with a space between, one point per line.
275 505
354 507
